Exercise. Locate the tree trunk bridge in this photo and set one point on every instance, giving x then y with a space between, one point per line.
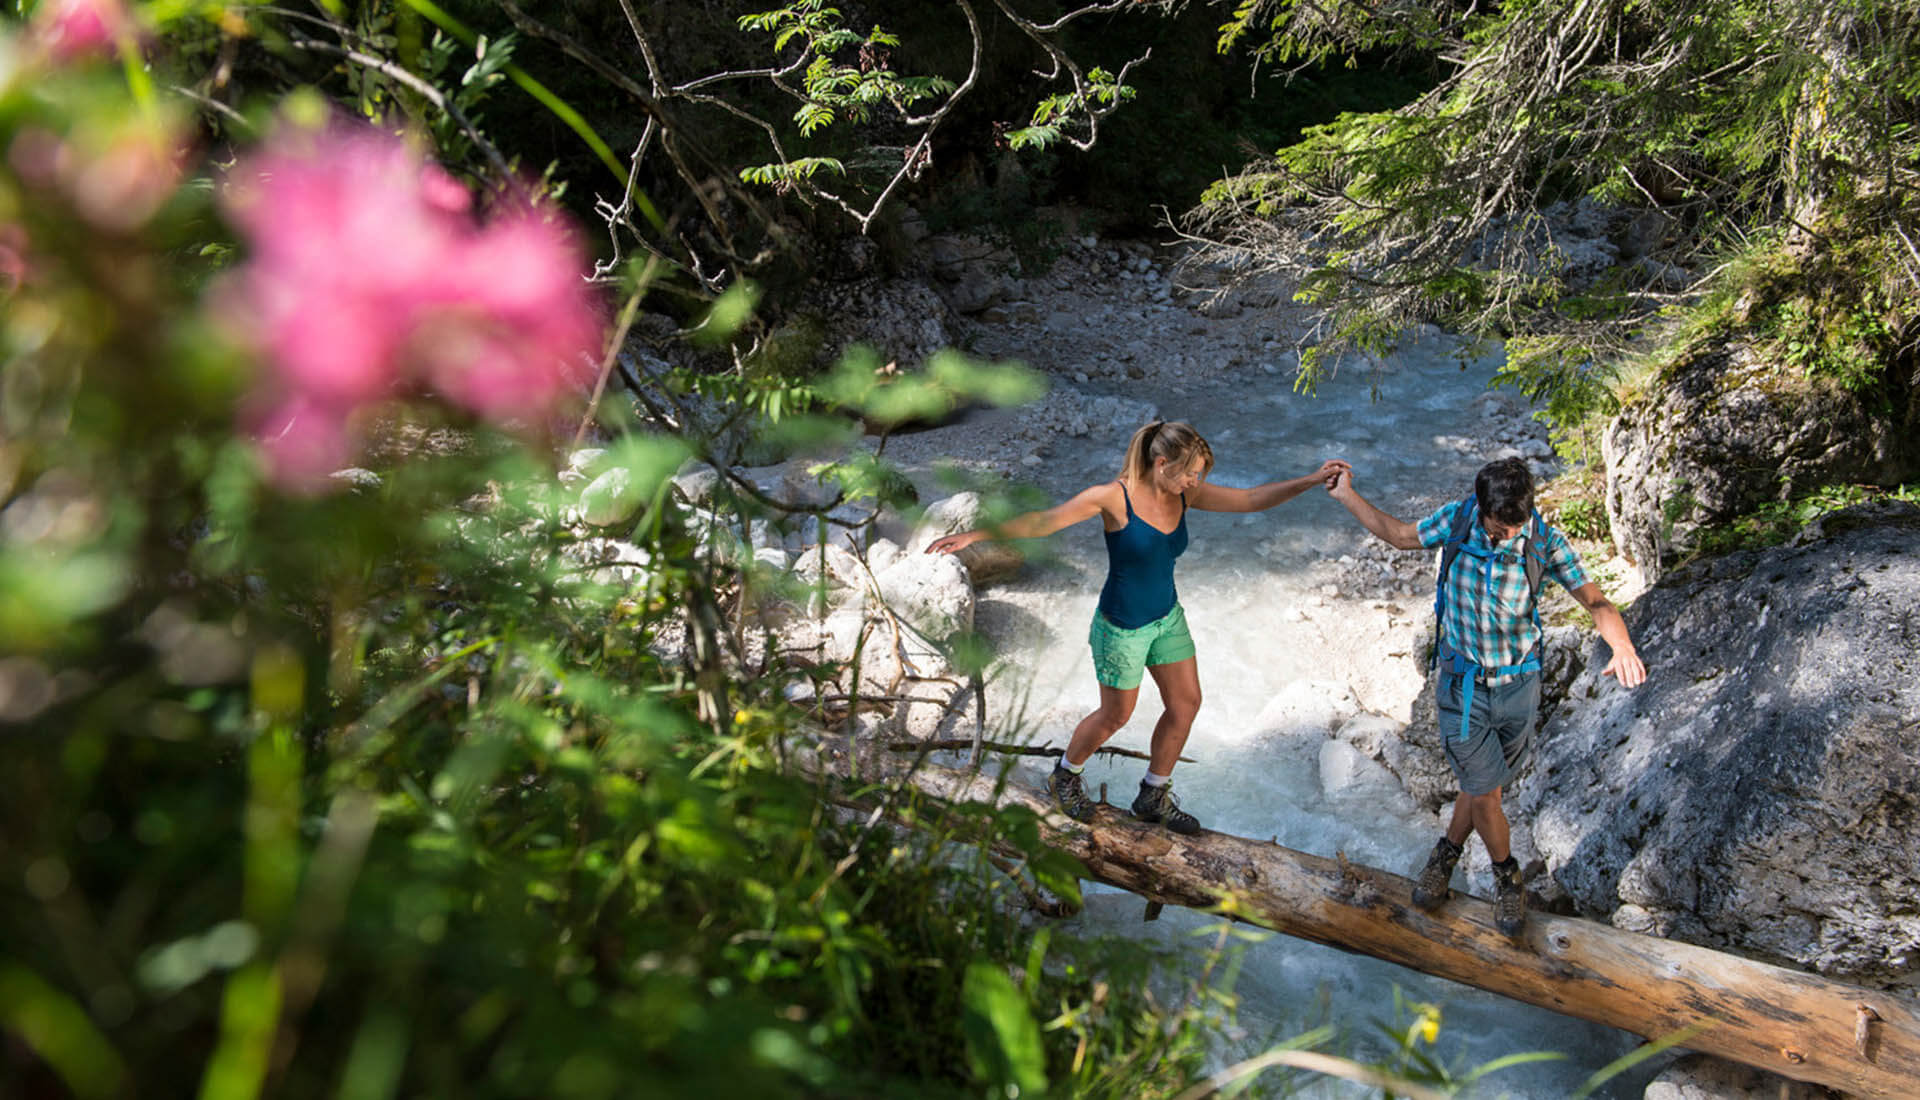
1788 1022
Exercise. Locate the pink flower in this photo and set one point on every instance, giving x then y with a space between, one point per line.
115 171
302 442
369 277
14 266
76 30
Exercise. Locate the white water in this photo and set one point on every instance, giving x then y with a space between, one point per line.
1271 640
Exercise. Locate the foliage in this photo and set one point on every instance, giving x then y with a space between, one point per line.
1583 518
1713 124
392 784
1775 522
389 785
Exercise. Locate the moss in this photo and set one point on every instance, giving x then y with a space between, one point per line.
791 350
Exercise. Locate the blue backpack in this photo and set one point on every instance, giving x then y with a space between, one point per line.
1465 518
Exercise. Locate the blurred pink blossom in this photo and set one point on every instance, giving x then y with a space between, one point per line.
14 267
115 171
302 442
369 277
74 30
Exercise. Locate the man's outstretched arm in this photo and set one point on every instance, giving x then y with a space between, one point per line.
1626 665
1397 533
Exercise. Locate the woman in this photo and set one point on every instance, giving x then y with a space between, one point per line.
1139 628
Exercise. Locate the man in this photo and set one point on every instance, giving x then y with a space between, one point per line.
1496 552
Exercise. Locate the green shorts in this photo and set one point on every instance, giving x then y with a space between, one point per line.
1121 656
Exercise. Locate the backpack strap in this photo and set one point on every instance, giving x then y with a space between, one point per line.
1464 518
1535 561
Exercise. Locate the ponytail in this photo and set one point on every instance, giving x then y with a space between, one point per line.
1174 440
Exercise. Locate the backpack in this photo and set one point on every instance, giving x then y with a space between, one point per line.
1533 558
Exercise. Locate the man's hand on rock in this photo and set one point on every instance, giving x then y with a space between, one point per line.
1626 667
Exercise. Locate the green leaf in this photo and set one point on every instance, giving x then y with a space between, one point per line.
1036 137
728 314
1059 873
1634 1057
1511 1060
1002 384
1003 1039
60 1032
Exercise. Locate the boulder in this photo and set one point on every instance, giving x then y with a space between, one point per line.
613 562
697 482
971 273
902 319
1347 772
930 592
731 436
1761 791
1728 430
987 562
610 498
882 554
1306 708
1701 1077
839 567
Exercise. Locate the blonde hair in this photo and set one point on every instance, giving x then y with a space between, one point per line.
1174 440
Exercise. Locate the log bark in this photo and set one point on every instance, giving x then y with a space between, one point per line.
1788 1022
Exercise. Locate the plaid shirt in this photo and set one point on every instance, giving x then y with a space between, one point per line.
1489 614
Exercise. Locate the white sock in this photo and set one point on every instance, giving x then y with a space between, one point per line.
1063 765
1153 780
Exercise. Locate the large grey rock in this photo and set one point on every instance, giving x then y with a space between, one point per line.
1761 791
698 482
1309 709
613 561
839 567
902 319
1700 1077
930 592
610 498
971 273
986 562
1729 430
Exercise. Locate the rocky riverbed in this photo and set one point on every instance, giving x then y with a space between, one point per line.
1756 795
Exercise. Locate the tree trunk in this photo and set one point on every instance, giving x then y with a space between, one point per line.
1784 1021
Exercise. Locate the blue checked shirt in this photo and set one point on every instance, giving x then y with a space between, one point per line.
1489 612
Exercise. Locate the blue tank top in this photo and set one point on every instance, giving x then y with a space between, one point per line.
1140 558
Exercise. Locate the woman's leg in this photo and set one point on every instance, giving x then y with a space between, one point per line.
1179 684
1116 706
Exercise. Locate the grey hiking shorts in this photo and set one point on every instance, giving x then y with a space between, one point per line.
1498 734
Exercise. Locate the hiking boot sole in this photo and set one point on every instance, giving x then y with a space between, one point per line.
1062 807
1172 827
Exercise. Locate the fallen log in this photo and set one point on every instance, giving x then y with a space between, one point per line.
954 744
1788 1022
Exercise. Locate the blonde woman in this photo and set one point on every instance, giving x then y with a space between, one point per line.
1139 629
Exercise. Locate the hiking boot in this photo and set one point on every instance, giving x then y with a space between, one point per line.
1156 804
1070 795
1510 903
1431 889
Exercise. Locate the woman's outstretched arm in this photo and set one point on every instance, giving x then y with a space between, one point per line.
1391 530
1032 525
1218 498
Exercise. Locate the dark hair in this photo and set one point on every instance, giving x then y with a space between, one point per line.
1505 491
